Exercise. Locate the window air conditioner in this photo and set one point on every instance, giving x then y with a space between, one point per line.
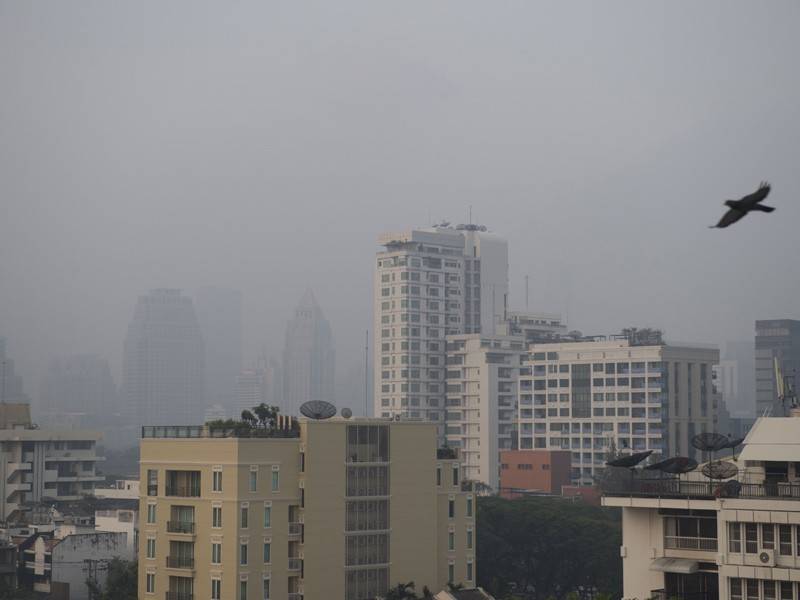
766 557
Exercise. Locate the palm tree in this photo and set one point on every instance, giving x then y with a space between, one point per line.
402 591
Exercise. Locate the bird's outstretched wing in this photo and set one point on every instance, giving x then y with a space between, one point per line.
729 218
757 196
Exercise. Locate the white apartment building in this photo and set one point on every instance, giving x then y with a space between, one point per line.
41 464
692 539
583 396
482 378
534 327
430 283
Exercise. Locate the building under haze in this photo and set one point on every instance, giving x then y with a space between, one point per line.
250 390
308 357
163 356
10 383
590 396
337 509
775 339
219 312
79 387
431 283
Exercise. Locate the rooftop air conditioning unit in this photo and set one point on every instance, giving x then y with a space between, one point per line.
766 557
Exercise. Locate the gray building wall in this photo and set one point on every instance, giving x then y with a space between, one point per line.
775 338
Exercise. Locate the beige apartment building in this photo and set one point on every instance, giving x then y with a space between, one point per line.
694 538
339 510
584 396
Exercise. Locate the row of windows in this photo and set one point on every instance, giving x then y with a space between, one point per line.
751 538
188 483
216 587
762 589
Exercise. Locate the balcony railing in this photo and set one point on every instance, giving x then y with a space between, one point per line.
204 431
180 527
676 542
295 564
676 488
295 528
180 562
179 596
183 491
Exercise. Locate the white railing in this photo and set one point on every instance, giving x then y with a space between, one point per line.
676 542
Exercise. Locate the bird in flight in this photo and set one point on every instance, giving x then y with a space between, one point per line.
739 208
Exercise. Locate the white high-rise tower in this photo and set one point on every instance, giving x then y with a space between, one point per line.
430 283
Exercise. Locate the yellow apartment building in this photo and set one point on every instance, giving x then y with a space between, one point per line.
337 509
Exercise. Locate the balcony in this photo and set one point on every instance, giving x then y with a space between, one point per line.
180 527
295 528
705 490
180 562
295 564
183 491
675 542
179 596
295 596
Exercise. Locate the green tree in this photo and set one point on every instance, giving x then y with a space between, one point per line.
547 547
402 591
121 582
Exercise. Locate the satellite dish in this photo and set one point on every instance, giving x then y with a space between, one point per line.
347 413
734 443
675 465
709 441
629 461
720 470
317 410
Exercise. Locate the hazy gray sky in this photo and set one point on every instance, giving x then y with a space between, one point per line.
264 145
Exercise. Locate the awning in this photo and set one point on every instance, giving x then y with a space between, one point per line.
674 565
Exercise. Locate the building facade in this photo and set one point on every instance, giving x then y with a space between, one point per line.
534 471
481 401
219 313
693 539
309 357
78 386
775 339
39 465
163 361
339 509
592 396
10 383
431 283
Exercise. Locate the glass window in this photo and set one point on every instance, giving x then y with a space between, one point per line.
151 513
267 552
451 573
216 553
438 475
151 547
243 590
243 554
451 541
785 533
152 482
216 589
216 481
786 590
275 481
469 539
216 516
151 583
469 570
736 589
244 517
455 474
469 506
734 537
751 591
451 509
266 589
769 589
768 536
751 538
253 480
267 517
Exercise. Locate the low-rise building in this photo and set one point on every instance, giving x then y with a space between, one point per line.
341 508
119 515
534 471
694 538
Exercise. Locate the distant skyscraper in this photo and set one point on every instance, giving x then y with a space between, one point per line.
162 370
250 390
10 383
308 357
81 384
775 338
219 312
431 283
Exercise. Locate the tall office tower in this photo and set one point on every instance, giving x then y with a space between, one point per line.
273 383
219 312
163 355
583 396
250 390
308 357
482 379
10 383
79 384
430 283
776 339
338 509
741 399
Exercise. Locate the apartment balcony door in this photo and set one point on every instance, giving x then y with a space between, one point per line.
697 586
